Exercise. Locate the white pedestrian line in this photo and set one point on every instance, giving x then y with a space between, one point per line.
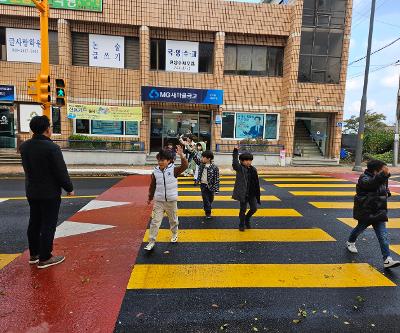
99 204
68 228
2 200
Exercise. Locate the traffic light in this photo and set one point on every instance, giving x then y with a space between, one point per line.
43 89
60 92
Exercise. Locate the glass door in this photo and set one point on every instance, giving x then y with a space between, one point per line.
156 132
317 129
7 135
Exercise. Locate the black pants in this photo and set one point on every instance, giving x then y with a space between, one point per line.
208 198
245 218
42 226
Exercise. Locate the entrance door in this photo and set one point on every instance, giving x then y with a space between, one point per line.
7 135
311 136
168 125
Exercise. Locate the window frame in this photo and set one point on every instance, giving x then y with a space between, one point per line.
278 124
251 72
107 135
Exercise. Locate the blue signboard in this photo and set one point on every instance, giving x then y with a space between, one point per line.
182 95
7 94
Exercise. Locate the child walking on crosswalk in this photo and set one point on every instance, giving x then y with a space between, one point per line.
164 190
247 187
208 178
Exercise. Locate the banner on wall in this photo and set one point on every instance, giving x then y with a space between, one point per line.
249 125
23 45
7 94
182 56
101 112
106 51
86 5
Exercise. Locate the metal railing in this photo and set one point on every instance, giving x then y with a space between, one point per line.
257 149
101 145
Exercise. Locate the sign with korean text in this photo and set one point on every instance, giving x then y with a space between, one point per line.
86 5
101 112
7 94
182 95
106 51
23 45
182 56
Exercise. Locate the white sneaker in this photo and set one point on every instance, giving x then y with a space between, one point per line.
351 247
174 238
390 263
149 246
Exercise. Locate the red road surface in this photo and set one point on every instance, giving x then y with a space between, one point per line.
84 294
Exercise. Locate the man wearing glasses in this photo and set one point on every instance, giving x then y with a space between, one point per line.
45 175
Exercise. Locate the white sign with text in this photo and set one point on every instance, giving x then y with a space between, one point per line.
106 51
23 45
182 56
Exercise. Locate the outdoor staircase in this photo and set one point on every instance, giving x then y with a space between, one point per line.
9 157
310 153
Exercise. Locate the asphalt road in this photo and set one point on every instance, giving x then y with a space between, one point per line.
163 304
14 214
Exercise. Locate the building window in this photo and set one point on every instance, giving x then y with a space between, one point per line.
249 126
159 55
107 128
19 43
254 60
322 41
56 119
124 53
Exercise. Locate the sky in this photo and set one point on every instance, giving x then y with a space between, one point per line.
383 82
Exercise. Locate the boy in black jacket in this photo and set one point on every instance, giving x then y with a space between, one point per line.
208 178
247 187
370 208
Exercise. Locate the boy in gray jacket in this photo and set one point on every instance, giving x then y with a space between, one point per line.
247 187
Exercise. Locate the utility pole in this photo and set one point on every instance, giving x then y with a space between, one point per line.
363 108
396 135
43 7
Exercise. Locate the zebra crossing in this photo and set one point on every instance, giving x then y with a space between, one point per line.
277 222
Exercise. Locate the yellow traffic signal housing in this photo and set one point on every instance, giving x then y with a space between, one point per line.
43 89
60 92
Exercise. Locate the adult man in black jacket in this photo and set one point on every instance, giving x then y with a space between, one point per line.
45 175
370 208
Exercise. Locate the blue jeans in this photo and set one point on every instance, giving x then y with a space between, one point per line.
381 234
208 198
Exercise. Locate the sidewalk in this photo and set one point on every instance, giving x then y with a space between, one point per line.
115 170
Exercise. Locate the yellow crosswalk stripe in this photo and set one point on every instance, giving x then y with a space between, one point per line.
323 193
316 185
395 248
304 180
329 193
185 276
392 224
197 189
5 259
184 198
222 182
221 212
252 235
346 205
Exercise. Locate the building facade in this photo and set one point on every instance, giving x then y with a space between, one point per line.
224 71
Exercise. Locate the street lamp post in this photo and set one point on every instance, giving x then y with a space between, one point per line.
363 108
396 135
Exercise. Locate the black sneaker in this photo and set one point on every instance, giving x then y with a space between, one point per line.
208 216
241 227
33 260
55 260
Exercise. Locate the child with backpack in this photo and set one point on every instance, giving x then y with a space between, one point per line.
247 187
164 190
370 208
208 178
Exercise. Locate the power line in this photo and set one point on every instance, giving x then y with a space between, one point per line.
376 51
389 24
366 15
376 69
